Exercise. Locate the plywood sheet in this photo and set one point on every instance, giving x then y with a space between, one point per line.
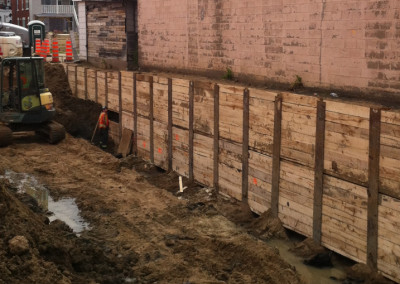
101 87
113 91
143 138
161 145
114 134
203 162
143 97
389 164
259 192
231 113
388 240
180 151
296 197
203 107
91 84
127 90
344 218
125 145
298 131
80 78
230 169
160 90
261 120
347 141
180 103
127 120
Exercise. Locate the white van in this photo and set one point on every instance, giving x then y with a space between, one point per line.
10 45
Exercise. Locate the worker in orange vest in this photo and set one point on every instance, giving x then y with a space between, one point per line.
103 126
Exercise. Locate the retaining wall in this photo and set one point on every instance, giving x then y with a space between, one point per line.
328 169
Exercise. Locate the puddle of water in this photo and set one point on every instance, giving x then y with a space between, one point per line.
64 209
310 274
67 211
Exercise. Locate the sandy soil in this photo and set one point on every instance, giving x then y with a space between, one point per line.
139 231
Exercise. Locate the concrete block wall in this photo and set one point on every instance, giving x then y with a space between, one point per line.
329 43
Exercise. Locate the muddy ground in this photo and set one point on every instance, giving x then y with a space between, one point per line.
141 229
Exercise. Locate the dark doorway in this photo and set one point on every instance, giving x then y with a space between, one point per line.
132 35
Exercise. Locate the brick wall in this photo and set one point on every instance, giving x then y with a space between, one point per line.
329 43
106 36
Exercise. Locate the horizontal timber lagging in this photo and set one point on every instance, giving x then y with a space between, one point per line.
304 165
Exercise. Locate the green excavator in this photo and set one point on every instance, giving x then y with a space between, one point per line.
25 103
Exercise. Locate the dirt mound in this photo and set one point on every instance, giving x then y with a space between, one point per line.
314 254
267 226
361 273
34 251
78 116
307 248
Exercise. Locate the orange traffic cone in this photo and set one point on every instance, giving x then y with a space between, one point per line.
47 47
43 50
55 52
68 51
37 46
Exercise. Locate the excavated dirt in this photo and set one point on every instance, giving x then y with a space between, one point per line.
139 232
141 229
79 117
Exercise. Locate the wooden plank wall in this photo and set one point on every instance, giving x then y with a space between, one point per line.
160 109
203 156
180 113
261 133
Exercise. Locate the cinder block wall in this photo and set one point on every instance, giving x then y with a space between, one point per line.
106 36
331 44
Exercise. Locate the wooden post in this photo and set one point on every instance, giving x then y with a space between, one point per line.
216 137
373 187
76 81
169 124
245 149
86 92
135 128
120 103
106 87
276 156
96 88
191 129
151 118
319 171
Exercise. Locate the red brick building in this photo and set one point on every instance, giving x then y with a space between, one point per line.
20 12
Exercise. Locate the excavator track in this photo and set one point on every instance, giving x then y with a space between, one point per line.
5 136
53 131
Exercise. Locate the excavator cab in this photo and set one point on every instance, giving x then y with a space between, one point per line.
24 99
25 103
